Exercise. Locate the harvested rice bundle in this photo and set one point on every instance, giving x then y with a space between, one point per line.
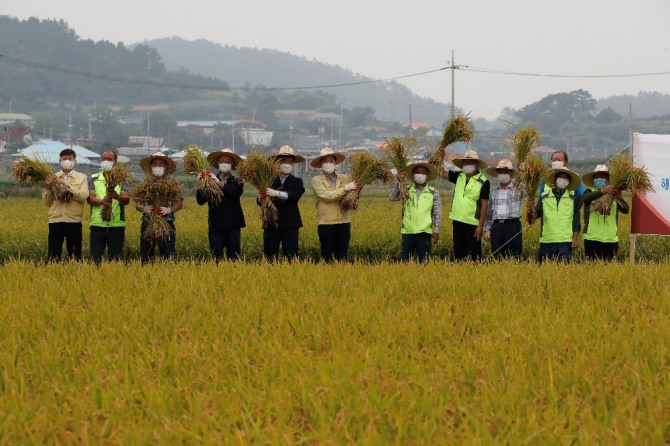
115 177
36 171
624 175
523 141
530 177
157 193
457 129
195 163
260 172
398 152
365 169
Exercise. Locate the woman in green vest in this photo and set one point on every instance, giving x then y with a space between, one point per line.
468 211
109 234
601 241
559 210
421 213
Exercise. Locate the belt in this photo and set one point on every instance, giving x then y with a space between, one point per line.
506 220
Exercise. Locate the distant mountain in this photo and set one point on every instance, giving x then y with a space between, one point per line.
646 104
251 67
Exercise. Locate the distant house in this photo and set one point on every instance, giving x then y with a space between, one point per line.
49 151
11 118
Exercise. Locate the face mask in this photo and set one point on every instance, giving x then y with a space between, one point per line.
328 167
158 171
286 168
107 165
562 183
504 178
469 169
557 164
225 167
419 178
67 164
600 183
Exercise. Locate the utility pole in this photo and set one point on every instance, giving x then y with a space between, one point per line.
69 130
340 147
453 89
411 127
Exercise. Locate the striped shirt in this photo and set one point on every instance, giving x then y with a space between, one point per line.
504 204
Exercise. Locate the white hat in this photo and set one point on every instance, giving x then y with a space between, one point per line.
145 164
286 152
432 171
575 181
502 164
588 178
325 152
469 155
213 158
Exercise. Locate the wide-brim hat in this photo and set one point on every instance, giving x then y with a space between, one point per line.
325 152
470 155
213 158
575 181
587 179
286 152
145 163
502 164
430 176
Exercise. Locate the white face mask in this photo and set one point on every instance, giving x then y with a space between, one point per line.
504 178
469 169
419 178
67 164
225 167
107 165
562 183
328 167
557 164
286 168
158 171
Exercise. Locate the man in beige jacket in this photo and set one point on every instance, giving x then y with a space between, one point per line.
65 217
334 224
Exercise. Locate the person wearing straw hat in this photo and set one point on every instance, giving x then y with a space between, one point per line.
334 224
503 218
560 159
110 234
421 213
285 193
469 207
225 218
559 211
601 241
159 166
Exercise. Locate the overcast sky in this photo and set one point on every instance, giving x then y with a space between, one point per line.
384 39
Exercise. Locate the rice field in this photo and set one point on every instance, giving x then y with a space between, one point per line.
370 352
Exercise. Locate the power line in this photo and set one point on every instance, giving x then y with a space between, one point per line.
516 73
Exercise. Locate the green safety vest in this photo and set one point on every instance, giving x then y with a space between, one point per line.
118 215
603 228
557 218
417 216
466 196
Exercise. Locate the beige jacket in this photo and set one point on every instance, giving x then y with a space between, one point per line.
72 211
327 207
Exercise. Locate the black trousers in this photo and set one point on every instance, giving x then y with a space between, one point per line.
110 238
167 248
334 241
506 239
230 240
600 250
288 238
419 243
70 233
466 246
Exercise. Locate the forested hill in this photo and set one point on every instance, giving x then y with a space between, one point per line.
40 56
248 66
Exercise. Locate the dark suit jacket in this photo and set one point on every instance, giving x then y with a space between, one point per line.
289 214
228 214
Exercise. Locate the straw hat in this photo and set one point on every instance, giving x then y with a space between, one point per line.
575 181
502 164
326 151
430 176
145 164
285 152
588 178
213 158
469 155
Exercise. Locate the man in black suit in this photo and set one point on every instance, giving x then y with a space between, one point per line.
285 193
226 218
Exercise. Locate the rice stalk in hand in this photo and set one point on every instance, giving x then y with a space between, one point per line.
623 175
156 193
194 163
530 177
399 152
260 172
35 171
523 142
365 169
457 129
113 178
